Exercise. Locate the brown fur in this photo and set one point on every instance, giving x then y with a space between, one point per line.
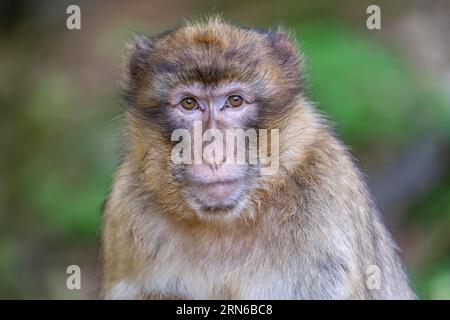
309 232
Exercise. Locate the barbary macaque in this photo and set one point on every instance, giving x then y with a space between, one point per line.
194 223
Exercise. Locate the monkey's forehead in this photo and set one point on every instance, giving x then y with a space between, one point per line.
213 53
212 33
208 45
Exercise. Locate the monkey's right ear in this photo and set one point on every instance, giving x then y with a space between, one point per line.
139 52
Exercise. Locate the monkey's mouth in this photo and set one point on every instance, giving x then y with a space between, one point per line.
216 183
221 194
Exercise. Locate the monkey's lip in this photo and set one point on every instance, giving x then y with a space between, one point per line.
219 182
218 193
215 179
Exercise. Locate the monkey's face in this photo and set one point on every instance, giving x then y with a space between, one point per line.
212 118
203 86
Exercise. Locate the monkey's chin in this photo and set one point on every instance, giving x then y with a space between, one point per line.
216 198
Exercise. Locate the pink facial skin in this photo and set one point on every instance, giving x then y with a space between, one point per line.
212 184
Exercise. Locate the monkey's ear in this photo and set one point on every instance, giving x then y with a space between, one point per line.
139 52
285 49
284 46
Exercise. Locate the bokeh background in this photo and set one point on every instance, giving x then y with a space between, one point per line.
387 92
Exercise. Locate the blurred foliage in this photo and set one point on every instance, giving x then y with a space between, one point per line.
59 145
68 162
366 89
435 283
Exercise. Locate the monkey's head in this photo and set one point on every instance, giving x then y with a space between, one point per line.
207 79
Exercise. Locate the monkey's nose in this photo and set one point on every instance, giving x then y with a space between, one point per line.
214 155
214 160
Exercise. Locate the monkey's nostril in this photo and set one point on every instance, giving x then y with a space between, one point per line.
215 167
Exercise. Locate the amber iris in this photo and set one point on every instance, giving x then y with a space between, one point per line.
189 103
235 100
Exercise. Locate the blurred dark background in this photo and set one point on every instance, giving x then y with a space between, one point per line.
387 92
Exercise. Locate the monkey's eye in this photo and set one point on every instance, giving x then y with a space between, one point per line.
235 100
189 103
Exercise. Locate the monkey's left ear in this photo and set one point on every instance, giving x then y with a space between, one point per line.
285 49
284 46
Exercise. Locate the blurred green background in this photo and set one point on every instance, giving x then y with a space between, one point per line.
386 91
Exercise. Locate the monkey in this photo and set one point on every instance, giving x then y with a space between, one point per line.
221 230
